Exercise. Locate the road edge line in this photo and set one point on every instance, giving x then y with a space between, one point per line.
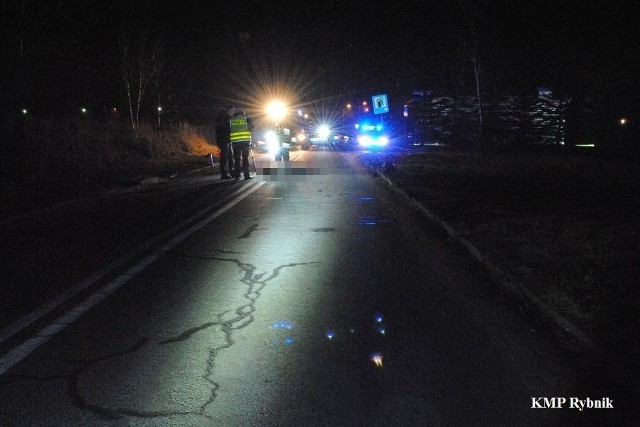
18 325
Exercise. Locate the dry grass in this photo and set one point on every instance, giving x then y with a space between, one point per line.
62 159
197 144
566 227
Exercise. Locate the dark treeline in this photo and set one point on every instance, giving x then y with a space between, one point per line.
192 57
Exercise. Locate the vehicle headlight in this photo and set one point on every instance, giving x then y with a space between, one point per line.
383 140
324 132
364 140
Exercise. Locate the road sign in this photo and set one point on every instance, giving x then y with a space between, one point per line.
380 104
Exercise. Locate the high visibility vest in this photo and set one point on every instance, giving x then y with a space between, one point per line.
240 130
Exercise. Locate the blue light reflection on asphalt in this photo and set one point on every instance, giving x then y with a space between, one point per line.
282 330
282 325
373 338
374 221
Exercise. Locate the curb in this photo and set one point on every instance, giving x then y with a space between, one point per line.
500 277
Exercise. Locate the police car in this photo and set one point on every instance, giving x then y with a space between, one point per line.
371 135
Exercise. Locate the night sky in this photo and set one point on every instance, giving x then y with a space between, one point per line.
64 54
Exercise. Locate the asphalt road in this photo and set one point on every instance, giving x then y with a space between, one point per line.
307 296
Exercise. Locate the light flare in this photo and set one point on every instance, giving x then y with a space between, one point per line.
376 358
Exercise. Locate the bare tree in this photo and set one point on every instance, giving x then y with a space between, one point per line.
463 18
28 39
469 34
139 63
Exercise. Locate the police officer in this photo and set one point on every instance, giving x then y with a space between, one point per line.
241 128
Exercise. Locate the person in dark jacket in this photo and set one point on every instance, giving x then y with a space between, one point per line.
223 135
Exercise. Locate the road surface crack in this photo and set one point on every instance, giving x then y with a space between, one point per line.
233 319
228 321
250 230
75 395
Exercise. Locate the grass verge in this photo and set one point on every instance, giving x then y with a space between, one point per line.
54 161
567 228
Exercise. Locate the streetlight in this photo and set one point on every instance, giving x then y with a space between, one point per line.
623 121
24 111
346 111
159 112
405 113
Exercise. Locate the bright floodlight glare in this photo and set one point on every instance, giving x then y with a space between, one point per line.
276 111
273 147
270 136
324 131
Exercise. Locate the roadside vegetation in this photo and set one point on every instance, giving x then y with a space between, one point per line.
58 160
566 227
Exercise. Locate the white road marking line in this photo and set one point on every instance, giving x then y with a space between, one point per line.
20 352
15 327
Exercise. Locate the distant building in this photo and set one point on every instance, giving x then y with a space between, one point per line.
511 120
